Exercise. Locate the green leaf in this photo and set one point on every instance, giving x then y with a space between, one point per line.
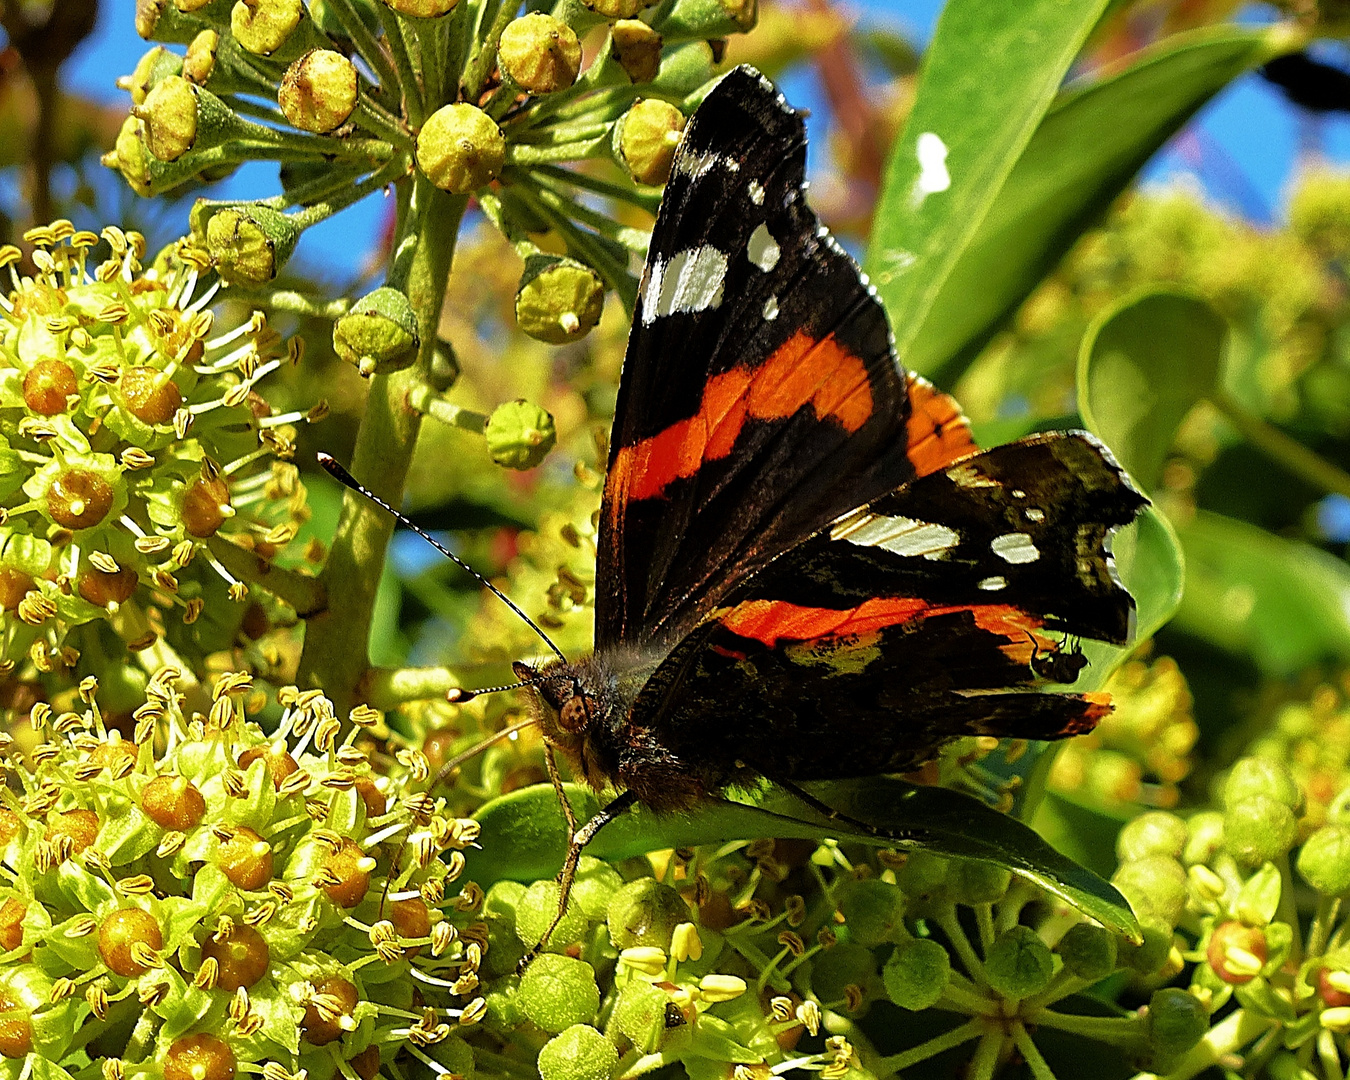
1283 603
523 836
987 78
1143 365
1085 152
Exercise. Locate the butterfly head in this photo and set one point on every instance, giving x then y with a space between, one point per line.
573 707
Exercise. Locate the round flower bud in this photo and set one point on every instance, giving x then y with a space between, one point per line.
80 827
318 91
149 394
559 299
277 761
703 19
379 334
47 385
538 907
318 1031
79 498
155 65
250 244
520 435
617 9
262 26
917 973
1176 1022
170 115
242 957
206 506
130 157
12 912
1019 963
200 60
173 802
836 969
16 1028
1089 952
411 919
1204 837
1324 860
120 933
1151 953
246 859
1258 829
422 9
366 1064
1154 833
557 992
199 1057
973 881
539 53
645 139
596 883
1236 953
1156 884
640 1014
637 48
578 1053
1261 776
644 912
685 68
460 148
872 909
351 866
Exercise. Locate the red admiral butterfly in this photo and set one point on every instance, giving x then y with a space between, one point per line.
807 569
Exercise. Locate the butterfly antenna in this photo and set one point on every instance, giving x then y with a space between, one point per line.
338 473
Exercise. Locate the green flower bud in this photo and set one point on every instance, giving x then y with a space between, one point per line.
559 300
539 53
557 992
538 908
595 885
578 1053
162 20
1155 884
1258 829
152 68
645 139
1204 837
1324 860
1264 777
422 9
1176 1022
1150 954
460 148
249 244
702 19
836 970
640 1015
379 334
318 91
973 881
520 435
1089 952
130 157
200 60
617 9
1019 964
872 910
1153 833
917 973
637 48
170 115
686 68
924 876
644 912
263 26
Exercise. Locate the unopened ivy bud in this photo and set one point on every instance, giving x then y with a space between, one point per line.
1262 776
249 244
645 139
1324 860
639 1015
917 973
685 68
460 148
559 299
379 333
974 881
170 115
262 26
154 66
130 157
1019 963
1157 884
318 91
537 909
1204 837
644 912
1153 833
557 991
422 9
200 60
1176 1022
702 19
1088 952
1150 953
578 1053
539 53
872 910
637 48
617 9
1258 829
519 436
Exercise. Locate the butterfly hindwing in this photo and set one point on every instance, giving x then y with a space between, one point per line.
759 398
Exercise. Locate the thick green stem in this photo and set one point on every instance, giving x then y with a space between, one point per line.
335 657
305 594
1278 446
972 1029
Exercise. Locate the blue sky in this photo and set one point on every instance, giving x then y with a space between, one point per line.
1243 148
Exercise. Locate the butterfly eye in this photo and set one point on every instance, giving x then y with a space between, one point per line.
574 715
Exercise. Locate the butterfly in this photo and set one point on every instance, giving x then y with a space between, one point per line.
806 567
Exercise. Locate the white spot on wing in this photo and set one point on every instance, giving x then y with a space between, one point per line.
993 584
690 281
771 308
756 192
1034 515
763 250
933 175
1014 548
901 535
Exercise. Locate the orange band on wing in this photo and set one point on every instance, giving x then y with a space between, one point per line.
772 621
938 430
802 371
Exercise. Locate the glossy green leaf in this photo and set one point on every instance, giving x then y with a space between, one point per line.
1144 364
1285 604
1085 152
987 78
524 838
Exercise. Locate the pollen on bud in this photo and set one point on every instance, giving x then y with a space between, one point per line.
539 53
637 48
318 91
262 26
646 138
250 244
559 299
460 148
379 334
200 60
520 434
170 116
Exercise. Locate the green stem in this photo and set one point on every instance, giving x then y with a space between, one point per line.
293 303
1223 1039
1117 1030
318 211
951 926
388 688
425 400
1328 907
1283 449
1040 1070
971 1029
306 594
430 38
366 44
335 655
525 154
375 120
649 200
1061 986
413 103
480 67
984 1062
1288 909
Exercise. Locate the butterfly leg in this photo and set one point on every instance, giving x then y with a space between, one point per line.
550 762
579 839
